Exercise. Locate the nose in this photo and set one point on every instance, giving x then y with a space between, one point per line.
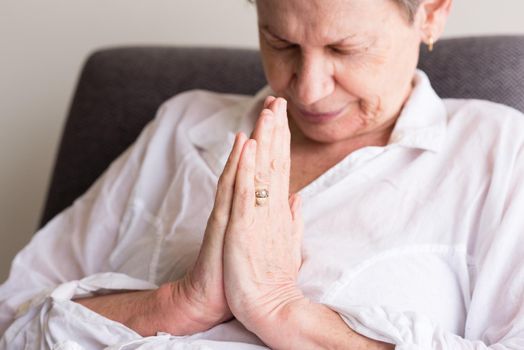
313 79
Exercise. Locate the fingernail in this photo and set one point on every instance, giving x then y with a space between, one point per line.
283 105
268 101
240 137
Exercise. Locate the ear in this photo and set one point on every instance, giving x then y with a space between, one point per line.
431 18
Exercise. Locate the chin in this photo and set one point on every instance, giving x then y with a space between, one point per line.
341 129
325 134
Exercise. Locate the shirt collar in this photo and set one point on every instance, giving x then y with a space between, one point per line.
421 123
214 136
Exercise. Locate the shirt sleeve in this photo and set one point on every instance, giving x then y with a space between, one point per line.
77 242
495 312
54 321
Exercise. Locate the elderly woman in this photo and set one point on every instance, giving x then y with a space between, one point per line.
362 212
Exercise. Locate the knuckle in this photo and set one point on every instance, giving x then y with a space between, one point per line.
286 165
281 166
274 164
262 178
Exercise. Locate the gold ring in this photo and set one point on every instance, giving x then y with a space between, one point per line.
261 197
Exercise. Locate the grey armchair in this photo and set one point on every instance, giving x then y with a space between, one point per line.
120 89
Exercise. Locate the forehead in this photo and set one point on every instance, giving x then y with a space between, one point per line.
324 20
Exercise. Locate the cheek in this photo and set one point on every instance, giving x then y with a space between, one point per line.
359 76
278 78
365 86
377 85
278 70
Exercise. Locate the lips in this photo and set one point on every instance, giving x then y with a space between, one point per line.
320 117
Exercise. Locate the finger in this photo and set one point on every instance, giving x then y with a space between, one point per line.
286 133
268 101
213 242
263 135
282 126
291 204
244 191
280 162
296 207
226 181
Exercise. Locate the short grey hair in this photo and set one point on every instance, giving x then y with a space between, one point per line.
410 7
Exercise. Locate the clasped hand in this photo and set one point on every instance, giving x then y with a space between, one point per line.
251 253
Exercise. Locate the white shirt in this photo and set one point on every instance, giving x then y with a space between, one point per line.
419 243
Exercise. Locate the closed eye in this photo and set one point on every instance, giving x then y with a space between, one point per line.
277 43
283 46
344 51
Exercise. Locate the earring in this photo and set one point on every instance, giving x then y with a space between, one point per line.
431 43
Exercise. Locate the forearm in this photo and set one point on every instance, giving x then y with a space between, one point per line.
303 324
133 309
166 309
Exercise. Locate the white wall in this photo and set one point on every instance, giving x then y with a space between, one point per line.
43 45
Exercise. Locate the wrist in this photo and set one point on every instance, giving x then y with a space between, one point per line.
304 324
184 313
275 322
297 327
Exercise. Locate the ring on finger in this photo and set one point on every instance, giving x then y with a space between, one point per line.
261 196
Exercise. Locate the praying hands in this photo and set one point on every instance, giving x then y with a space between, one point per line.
249 260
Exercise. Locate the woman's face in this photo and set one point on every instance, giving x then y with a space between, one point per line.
345 66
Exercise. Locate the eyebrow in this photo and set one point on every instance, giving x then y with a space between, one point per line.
269 31
338 42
